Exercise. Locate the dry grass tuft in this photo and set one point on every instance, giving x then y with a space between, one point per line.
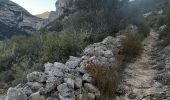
104 79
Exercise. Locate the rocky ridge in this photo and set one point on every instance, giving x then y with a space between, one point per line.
43 15
63 8
16 20
69 81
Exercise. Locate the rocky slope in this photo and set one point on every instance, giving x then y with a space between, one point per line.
16 20
69 81
63 8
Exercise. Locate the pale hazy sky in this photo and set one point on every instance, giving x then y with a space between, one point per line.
37 6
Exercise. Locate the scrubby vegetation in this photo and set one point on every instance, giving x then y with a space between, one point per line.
101 18
165 33
92 22
21 55
133 44
104 79
157 15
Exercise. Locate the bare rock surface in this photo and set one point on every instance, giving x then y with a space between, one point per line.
16 20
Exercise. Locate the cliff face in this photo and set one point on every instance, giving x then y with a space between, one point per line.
63 8
16 20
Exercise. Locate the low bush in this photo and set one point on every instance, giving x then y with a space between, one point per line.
165 34
166 40
132 44
104 79
133 47
24 54
58 47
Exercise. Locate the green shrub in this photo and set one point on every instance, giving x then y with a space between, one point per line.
143 30
24 54
58 47
166 40
132 44
165 34
133 47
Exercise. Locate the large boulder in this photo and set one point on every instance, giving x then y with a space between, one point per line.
15 94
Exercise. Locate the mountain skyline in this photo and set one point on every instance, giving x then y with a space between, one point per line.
37 6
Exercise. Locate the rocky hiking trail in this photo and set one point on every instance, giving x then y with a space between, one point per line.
146 78
138 81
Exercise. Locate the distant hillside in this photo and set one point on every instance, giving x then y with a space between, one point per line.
152 5
43 15
16 20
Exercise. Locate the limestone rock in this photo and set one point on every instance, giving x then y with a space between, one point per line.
25 89
65 7
52 83
61 67
15 94
92 89
91 96
87 78
69 81
16 20
73 62
55 70
36 77
78 82
35 86
51 98
36 96
66 92
103 53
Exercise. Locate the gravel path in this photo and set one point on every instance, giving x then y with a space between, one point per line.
138 79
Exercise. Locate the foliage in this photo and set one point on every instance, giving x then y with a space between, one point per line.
68 36
156 20
58 47
165 34
104 79
101 18
24 54
133 44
